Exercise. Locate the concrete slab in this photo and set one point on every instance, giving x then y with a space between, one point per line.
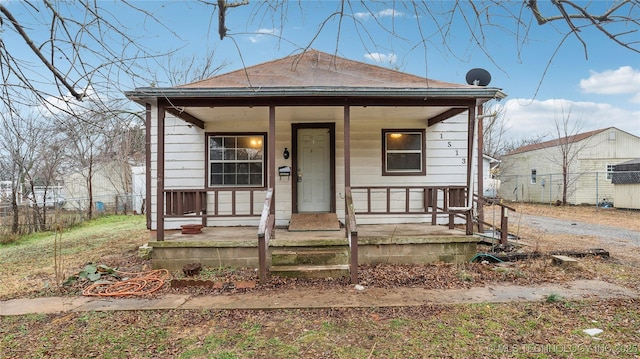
47 305
168 301
303 298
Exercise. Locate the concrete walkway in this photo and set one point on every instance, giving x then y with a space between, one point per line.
305 298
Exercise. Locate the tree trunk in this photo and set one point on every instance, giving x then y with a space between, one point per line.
16 214
90 188
565 182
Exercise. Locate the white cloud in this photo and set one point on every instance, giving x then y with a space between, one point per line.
624 80
55 105
527 119
262 34
379 14
389 58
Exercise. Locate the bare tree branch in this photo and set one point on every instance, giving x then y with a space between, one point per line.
38 53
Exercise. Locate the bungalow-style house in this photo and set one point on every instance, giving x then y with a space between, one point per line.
533 173
626 183
311 150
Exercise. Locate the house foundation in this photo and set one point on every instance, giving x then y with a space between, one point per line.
378 244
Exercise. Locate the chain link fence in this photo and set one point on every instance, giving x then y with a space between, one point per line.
586 188
47 215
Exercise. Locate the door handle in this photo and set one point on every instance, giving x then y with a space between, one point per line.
299 175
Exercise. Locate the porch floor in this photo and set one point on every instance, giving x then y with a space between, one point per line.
367 234
377 243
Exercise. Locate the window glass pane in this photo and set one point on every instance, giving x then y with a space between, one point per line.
230 154
243 168
229 142
404 141
243 178
230 168
256 179
215 142
230 179
242 154
216 154
216 179
244 142
256 168
404 162
254 154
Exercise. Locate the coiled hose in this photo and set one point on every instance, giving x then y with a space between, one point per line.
139 283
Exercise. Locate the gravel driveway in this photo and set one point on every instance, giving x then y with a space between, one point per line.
605 234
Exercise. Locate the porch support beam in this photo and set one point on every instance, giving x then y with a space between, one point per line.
347 146
470 163
272 155
445 115
160 174
147 161
480 171
186 117
352 234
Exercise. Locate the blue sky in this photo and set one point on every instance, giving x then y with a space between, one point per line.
598 92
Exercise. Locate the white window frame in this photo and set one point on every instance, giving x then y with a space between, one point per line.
257 140
534 176
610 169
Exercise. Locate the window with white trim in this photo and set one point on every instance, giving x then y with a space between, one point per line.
610 169
534 176
403 152
236 160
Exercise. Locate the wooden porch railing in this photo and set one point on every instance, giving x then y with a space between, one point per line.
266 231
193 203
186 203
435 200
504 218
351 232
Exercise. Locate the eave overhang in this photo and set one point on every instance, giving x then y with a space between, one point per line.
318 96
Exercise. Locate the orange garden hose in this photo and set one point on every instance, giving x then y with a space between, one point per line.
140 283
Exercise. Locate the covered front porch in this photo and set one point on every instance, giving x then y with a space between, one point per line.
352 244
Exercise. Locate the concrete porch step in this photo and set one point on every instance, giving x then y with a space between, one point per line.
311 271
310 256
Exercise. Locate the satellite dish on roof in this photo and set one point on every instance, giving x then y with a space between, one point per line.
478 77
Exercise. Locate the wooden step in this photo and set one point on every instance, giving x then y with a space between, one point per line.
311 271
310 256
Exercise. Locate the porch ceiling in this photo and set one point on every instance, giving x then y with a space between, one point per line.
316 114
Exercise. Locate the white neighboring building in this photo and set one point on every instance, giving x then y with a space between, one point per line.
111 185
533 173
626 183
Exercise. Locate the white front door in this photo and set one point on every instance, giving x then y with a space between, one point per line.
314 170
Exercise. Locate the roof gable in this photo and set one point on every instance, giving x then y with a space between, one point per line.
316 69
556 142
